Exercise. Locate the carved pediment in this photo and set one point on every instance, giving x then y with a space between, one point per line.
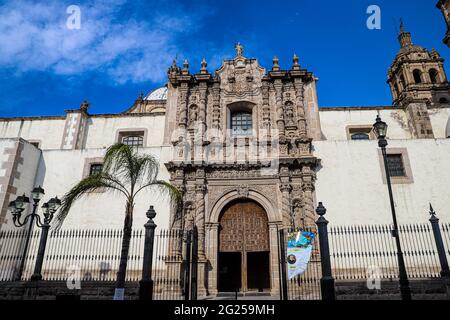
240 77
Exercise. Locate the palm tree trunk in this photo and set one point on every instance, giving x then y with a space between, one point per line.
121 274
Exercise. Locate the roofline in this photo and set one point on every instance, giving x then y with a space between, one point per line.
106 115
359 108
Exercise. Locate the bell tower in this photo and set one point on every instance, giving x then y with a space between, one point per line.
417 80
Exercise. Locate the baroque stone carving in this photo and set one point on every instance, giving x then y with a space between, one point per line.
243 191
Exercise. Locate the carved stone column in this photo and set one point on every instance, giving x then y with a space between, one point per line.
202 105
301 120
266 109
216 106
182 105
308 180
285 188
278 85
200 189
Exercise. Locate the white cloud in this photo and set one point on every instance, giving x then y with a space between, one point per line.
34 37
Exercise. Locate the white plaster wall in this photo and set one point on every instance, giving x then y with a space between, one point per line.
102 132
47 131
439 119
351 188
334 123
62 169
27 170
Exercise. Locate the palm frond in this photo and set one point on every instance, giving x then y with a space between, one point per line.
85 186
118 161
147 169
166 190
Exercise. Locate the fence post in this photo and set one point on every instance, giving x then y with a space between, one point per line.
283 275
194 271
41 252
146 284
187 265
445 271
327 281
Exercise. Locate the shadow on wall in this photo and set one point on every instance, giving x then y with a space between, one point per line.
447 130
41 170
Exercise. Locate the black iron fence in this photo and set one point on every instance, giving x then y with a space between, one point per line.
357 253
445 229
93 255
360 252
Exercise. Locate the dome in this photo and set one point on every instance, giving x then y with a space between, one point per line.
157 94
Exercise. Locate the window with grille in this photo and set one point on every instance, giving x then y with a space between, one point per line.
96 168
134 140
395 165
241 123
360 136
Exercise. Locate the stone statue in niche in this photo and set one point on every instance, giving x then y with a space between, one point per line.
289 114
193 115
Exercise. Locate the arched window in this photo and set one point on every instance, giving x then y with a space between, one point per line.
360 136
443 100
241 123
396 91
402 82
433 75
417 76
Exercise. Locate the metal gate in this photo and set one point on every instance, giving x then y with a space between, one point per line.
176 264
307 285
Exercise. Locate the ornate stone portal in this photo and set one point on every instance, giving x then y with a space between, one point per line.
214 164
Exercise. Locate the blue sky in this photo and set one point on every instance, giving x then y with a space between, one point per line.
123 48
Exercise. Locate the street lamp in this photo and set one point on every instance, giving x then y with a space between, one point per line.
380 129
17 207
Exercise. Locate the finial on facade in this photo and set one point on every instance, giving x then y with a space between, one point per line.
84 106
185 66
204 65
296 65
275 66
141 96
239 49
435 54
404 37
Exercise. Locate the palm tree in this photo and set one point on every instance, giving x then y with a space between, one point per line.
126 172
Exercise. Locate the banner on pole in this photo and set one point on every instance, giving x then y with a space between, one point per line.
299 249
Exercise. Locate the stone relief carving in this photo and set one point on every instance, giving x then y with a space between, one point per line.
193 115
289 114
217 192
240 77
243 191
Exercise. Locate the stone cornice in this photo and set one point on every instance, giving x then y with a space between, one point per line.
358 108
106 115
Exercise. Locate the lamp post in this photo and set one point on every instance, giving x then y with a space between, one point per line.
49 208
380 129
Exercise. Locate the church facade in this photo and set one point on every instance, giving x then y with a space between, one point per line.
252 152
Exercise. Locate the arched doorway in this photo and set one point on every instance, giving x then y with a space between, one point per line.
244 252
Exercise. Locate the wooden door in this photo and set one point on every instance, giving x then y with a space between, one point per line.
244 228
